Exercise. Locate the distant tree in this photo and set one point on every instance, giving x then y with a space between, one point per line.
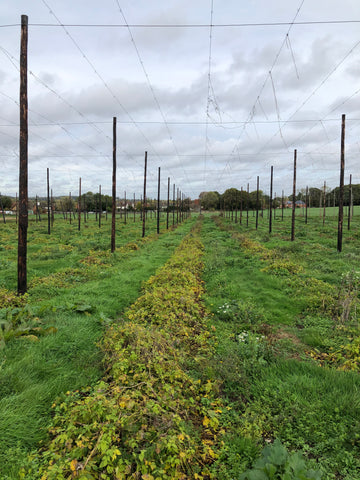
231 198
209 200
314 196
6 202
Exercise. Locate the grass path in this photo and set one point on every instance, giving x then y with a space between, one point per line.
277 393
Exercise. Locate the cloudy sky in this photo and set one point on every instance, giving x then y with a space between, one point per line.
215 91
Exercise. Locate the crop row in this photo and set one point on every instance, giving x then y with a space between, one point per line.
147 418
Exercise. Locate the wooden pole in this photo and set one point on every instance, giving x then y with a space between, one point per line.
158 205
48 199
247 205
100 206
125 208
324 200
23 157
257 203
241 205
134 208
144 197
70 206
306 203
293 202
79 206
341 190
177 206
173 215
270 200
168 205
113 206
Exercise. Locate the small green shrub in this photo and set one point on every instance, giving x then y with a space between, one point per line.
246 313
276 463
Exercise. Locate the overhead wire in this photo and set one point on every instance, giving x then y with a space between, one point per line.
108 88
186 25
208 100
152 90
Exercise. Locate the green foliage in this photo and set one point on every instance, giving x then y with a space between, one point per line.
79 301
9 299
21 322
147 417
245 313
276 463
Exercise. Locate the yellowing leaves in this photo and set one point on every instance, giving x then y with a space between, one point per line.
73 465
206 421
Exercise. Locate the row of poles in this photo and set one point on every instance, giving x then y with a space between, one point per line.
23 178
293 206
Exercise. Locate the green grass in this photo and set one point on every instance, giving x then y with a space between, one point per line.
76 298
277 310
274 388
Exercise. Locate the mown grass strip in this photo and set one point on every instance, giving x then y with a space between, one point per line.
148 418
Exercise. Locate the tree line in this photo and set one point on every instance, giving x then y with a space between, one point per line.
233 198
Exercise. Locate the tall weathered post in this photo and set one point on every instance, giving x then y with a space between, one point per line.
293 202
257 203
177 206
173 215
100 206
48 199
247 204
168 205
144 197
241 205
270 200
79 206
341 190
23 157
158 205
324 201
306 203
113 193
